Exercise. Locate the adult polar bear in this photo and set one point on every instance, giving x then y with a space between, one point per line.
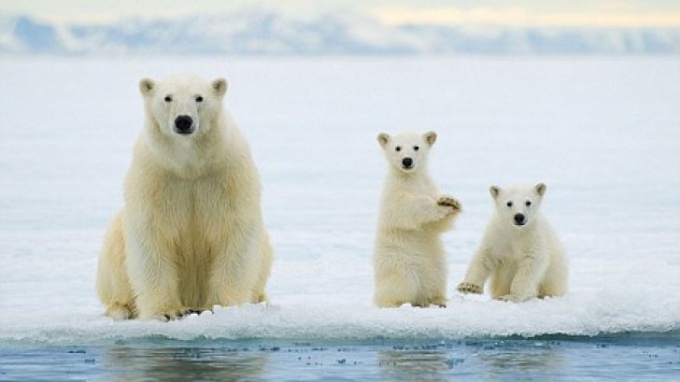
191 233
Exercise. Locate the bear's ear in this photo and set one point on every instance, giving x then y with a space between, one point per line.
494 191
430 137
383 139
220 86
146 86
540 188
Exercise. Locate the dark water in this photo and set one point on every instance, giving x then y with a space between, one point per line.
617 357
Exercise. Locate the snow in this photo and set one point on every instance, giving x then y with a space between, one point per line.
601 132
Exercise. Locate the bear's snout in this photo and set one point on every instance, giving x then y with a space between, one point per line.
520 219
407 162
184 124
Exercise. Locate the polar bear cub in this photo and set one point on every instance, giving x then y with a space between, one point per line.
190 234
520 252
409 259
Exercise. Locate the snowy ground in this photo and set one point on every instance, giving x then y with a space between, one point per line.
603 133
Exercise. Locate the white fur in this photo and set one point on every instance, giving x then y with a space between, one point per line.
409 259
191 233
523 261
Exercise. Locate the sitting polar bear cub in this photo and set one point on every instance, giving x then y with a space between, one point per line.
191 234
409 260
520 251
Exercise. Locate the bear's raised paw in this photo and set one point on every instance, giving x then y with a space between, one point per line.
469 288
449 201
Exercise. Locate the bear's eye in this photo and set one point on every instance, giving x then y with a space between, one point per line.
509 204
416 148
199 99
527 203
167 98
398 148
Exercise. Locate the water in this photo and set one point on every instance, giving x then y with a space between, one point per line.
558 358
603 133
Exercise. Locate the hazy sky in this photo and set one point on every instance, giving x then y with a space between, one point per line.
504 12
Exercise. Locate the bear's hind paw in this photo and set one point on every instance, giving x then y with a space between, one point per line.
200 311
120 312
469 288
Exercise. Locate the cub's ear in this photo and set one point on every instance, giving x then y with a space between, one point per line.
146 86
494 191
220 86
430 137
383 139
540 188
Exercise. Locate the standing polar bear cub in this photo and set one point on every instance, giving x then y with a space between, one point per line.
191 233
520 251
409 259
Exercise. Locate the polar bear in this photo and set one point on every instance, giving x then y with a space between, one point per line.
520 251
190 234
409 260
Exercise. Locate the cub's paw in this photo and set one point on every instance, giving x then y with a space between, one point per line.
466 288
448 201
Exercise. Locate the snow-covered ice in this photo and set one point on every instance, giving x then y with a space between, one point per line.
603 133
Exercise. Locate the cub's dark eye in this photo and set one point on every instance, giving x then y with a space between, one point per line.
509 204
199 99
416 148
167 99
398 148
527 203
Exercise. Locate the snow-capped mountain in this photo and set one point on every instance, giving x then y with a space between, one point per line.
252 32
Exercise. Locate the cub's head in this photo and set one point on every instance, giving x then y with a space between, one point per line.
407 151
183 105
518 205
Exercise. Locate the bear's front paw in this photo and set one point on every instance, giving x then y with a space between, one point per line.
469 288
172 315
448 201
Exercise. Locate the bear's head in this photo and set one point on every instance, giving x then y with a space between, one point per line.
407 151
518 205
183 105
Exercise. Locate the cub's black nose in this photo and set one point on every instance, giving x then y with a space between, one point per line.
520 219
407 162
184 124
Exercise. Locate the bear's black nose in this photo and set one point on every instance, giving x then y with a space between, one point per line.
183 124
520 219
407 162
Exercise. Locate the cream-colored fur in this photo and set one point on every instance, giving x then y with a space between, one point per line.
191 233
409 260
520 252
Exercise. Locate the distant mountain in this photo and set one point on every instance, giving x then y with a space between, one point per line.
271 33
